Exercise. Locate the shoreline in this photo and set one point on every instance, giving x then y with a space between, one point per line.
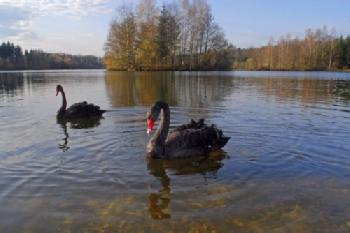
171 70
204 70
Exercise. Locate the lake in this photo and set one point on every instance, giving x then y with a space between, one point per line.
286 167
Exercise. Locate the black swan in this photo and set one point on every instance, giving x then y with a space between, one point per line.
195 138
77 110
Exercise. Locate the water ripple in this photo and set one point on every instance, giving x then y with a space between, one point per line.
287 159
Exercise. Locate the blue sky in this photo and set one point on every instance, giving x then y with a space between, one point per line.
81 26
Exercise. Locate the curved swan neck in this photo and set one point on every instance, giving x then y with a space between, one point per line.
162 132
62 110
64 101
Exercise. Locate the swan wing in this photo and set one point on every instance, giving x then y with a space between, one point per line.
192 125
83 109
182 143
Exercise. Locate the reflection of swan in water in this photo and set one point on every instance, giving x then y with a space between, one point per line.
158 203
64 146
76 124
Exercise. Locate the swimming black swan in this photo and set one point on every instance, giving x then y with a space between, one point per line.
77 110
195 138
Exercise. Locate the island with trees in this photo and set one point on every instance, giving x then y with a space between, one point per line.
183 35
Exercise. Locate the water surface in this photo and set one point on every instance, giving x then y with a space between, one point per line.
285 169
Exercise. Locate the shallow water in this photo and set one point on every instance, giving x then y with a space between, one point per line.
285 169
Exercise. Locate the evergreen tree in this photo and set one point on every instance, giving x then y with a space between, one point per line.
341 53
12 57
167 36
347 53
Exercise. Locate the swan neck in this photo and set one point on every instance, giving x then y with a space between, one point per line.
64 101
162 132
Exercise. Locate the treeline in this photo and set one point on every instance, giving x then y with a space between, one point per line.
320 49
182 35
13 58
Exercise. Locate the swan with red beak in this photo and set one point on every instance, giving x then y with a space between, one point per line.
195 138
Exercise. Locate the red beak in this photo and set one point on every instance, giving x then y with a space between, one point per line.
150 124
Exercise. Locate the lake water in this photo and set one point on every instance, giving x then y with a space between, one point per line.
285 169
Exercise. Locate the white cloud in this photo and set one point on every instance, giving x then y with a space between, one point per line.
17 17
60 7
13 21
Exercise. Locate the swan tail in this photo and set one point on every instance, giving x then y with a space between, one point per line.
215 138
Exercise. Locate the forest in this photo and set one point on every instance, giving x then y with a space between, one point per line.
320 49
181 35
13 58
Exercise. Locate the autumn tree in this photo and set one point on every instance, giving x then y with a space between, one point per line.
320 49
146 55
121 42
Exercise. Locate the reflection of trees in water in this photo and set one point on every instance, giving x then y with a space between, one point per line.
18 81
75 124
11 82
342 89
303 90
197 89
67 78
193 89
138 88
158 202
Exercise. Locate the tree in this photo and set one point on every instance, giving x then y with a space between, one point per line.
121 41
347 53
167 36
146 55
340 53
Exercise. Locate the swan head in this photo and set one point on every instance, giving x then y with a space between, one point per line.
153 114
59 88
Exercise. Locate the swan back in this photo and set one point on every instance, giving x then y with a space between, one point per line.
82 110
195 138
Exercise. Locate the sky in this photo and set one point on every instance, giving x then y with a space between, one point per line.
81 26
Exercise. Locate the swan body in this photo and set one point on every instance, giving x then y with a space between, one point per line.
77 110
195 138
